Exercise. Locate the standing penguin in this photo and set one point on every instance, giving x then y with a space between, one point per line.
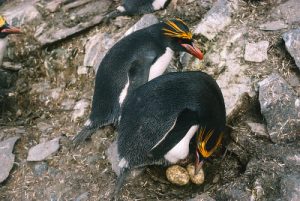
134 60
137 7
5 30
160 119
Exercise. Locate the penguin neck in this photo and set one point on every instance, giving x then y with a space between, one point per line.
3 46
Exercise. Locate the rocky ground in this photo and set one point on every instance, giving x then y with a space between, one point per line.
46 84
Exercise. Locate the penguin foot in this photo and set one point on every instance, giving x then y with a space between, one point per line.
86 132
111 15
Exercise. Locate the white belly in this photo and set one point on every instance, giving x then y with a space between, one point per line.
161 64
158 4
181 150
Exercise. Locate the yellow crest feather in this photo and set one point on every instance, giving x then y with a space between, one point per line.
202 142
178 33
2 21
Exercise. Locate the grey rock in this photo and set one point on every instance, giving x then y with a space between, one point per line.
96 48
43 150
53 6
79 109
44 127
146 21
113 157
68 104
289 11
292 44
256 52
273 25
258 129
40 168
11 66
290 187
7 158
89 14
22 14
83 197
281 109
91 160
82 70
216 19
202 197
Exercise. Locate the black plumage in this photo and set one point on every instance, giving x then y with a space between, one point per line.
130 63
159 114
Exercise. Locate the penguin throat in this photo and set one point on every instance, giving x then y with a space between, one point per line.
161 64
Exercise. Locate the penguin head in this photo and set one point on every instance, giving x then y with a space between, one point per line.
180 38
207 143
6 29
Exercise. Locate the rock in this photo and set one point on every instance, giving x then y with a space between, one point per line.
198 178
44 127
292 44
40 168
290 187
289 11
83 197
79 109
236 190
78 19
82 70
146 21
22 14
279 106
216 19
43 150
7 158
258 129
11 66
256 52
53 6
273 25
177 175
202 197
113 157
96 48
68 104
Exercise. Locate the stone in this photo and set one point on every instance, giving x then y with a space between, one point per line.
43 150
292 44
79 109
256 52
216 19
290 187
258 129
146 21
177 175
77 20
53 6
202 197
11 66
96 48
40 168
68 104
113 157
273 25
289 11
82 70
280 108
44 127
83 197
22 14
7 158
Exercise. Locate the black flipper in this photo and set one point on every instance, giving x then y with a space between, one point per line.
120 181
137 74
185 120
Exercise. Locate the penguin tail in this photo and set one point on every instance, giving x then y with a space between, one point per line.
111 15
120 181
85 132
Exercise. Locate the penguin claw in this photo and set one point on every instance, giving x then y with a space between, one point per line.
86 132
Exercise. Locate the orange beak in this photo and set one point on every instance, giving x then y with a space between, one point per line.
198 166
11 30
193 50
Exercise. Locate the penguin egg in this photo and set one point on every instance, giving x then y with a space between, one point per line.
198 178
177 175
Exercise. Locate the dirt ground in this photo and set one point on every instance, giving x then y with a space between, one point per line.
74 171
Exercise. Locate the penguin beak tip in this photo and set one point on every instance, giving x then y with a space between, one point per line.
193 50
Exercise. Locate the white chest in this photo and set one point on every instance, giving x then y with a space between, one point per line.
3 46
181 150
158 4
161 64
